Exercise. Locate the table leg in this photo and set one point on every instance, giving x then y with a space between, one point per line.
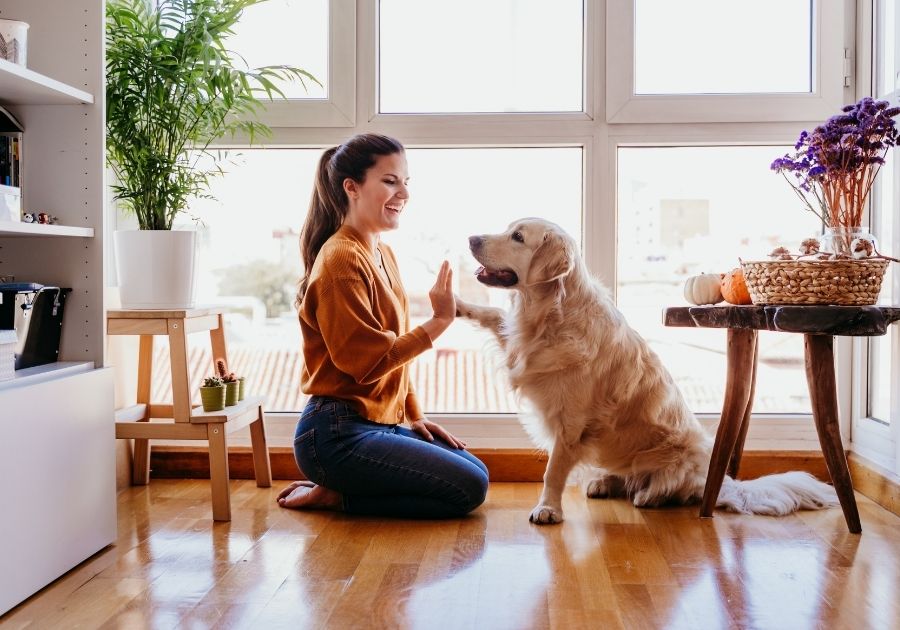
262 469
819 351
735 464
181 386
218 472
140 465
217 343
738 385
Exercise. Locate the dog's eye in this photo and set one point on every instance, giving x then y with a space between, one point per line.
517 236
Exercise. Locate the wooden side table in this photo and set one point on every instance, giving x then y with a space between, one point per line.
819 325
180 420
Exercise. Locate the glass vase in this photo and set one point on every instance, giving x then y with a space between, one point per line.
837 240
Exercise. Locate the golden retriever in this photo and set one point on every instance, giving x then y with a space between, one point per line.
601 395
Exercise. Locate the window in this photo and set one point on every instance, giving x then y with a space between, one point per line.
528 110
318 36
287 32
689 210
728 61
714 47
516 56
876 422
450 200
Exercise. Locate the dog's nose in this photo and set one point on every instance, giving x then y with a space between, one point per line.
475 242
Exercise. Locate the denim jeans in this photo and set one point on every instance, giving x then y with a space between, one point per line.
383 469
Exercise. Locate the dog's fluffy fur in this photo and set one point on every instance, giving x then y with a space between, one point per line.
602 396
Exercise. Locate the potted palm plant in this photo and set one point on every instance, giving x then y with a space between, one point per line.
172 88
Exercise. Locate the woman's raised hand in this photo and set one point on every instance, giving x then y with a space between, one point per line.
443 302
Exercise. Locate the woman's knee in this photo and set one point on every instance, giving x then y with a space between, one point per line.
475 487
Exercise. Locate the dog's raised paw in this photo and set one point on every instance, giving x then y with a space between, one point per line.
546 515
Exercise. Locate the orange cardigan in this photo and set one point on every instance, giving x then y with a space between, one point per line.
357 344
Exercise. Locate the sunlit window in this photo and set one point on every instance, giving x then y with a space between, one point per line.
515 56
250 262
287 32
689 210
722 46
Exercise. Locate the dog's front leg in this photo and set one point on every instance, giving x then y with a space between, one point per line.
549 508
489 317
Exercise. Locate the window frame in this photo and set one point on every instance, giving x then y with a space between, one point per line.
826 98
339 108
593 130
871 437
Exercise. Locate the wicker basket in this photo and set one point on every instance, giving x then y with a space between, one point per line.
845 282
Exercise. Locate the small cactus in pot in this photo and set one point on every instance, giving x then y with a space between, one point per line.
212 394
232 383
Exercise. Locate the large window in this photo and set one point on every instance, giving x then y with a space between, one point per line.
250 260
714 47
646 130
876 427
516 56
689 210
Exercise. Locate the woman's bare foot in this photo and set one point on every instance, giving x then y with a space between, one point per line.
305 495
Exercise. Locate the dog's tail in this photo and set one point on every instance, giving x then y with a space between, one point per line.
776 495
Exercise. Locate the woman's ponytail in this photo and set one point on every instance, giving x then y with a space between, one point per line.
322 220
328 205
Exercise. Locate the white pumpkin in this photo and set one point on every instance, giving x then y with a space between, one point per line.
703 289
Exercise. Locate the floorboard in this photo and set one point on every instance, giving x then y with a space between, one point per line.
609 565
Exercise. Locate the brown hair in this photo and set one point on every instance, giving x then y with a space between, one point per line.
328 205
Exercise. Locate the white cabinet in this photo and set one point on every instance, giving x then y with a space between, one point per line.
57 445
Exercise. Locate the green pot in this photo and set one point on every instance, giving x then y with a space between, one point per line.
241 388
213 398
231 393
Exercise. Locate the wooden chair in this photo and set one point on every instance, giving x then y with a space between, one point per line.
180 420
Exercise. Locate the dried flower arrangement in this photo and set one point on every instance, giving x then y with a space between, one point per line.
833 168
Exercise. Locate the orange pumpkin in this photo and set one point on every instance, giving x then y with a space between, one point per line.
734 288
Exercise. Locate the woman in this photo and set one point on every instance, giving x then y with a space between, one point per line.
357 346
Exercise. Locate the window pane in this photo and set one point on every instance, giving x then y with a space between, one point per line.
249 262
722 46
450 200
885 34
880 348
687 210
287 32
516 56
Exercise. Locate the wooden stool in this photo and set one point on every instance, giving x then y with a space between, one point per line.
181 421
818 325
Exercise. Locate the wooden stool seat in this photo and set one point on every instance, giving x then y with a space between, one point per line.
181 420
818 325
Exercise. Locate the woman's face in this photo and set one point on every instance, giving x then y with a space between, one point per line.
376 204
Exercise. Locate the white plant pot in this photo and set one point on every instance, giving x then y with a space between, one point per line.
156 268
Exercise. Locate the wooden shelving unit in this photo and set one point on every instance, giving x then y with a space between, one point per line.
57 431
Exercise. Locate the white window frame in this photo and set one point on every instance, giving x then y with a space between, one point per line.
599 136
827 97
872 438
338 109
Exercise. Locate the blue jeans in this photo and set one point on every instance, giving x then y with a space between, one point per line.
383 469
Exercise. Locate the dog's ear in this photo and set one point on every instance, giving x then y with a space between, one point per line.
552 260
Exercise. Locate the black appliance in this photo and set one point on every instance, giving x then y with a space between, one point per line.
35 312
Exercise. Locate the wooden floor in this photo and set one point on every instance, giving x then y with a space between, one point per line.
608 566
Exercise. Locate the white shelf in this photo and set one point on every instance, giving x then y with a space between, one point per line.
12 228
21 86
47 372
